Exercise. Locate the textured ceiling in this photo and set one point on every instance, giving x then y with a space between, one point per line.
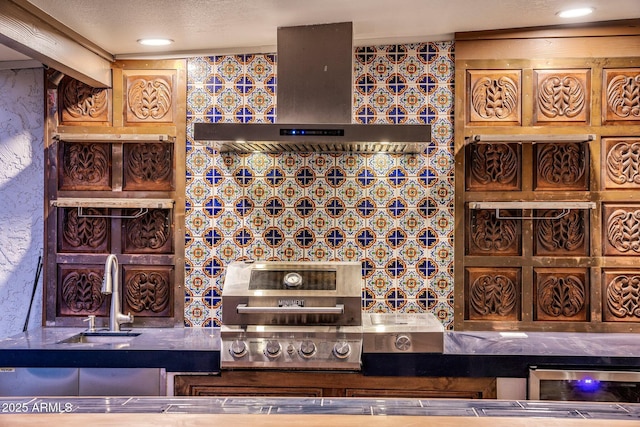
210 26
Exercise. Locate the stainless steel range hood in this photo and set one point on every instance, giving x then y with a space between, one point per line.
314 103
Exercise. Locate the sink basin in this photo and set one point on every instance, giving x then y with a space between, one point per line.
100 337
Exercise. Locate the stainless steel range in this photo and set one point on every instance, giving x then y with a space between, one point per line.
292 315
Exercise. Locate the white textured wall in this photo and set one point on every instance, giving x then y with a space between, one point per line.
21 196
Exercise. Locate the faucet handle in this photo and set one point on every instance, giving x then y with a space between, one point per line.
92 322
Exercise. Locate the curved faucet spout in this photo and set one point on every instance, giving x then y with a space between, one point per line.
111 285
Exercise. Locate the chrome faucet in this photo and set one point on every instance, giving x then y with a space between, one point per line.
111 285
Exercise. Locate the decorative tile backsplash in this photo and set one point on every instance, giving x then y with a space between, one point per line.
392 212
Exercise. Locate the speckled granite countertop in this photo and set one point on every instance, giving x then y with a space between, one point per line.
472 354
184 339
176 349
477 408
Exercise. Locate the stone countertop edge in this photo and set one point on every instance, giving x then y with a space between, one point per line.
466 354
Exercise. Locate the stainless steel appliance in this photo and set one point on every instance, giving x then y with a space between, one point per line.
315 94
584 385
292 315
402 333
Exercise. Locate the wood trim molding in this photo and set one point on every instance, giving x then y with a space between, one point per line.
623 27
46 41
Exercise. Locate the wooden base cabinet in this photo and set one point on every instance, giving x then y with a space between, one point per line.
328 384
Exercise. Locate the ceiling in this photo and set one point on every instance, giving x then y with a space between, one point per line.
238 26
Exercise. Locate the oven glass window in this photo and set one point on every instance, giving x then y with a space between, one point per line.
590 390
308 280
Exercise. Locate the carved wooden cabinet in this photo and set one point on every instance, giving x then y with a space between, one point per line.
115 185
328 384
547 188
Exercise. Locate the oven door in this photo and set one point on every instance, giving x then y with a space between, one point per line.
591 386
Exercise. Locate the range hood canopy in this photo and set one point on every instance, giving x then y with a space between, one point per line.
314 104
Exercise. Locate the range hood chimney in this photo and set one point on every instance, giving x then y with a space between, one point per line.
314 103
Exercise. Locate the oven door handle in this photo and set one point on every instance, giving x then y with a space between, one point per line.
244 309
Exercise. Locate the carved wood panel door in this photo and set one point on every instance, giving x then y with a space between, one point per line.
547 167
115 185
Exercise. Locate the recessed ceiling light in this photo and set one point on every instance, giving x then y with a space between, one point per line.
575 13
155 42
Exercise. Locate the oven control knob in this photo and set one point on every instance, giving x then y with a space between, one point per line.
272 349
342 350
238 348
403 342
307 349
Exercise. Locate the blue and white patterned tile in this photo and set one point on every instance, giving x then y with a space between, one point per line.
289 222
381 223
412 163
365 238
258 163
259 251
396 299
319 251
212 237
380 252
289 251
258 221
289 192
411 222
421 71
350 192
198 69
197 160
381 163
442 284
196 222
290 163
444 312
411 283
443 100
442 131
349 252
196 282
259 192
442 192
350 223
198 100
443 222
228 251
320 192
380 283
198 191
442 161
228 100
411 252
319 223
198 252
197 314
381 192
228 191
351 163
321 162
228 223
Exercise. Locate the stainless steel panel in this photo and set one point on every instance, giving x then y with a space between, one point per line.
39 382
584 385
242 305
122 382
402 333
359 138
319 343
315 73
